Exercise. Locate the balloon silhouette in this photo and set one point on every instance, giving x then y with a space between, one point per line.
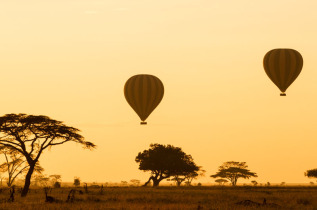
144 93
283 66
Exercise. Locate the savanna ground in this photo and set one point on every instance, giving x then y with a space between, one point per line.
220 198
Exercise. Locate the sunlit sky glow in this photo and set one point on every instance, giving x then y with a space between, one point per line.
70 59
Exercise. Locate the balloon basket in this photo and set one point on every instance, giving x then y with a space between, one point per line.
283 94
143 123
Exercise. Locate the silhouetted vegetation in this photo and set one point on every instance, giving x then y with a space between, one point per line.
312 173
232 171
187 198
56 180
255 183
135 182
57 185
30 135
178 179
48 198
41 180
15 165
191 175
164 161
124 183
77 181
221 181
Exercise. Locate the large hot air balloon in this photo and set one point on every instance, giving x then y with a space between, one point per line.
283 66
143 92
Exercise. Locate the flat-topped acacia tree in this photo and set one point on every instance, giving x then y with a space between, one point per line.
233 170
30 135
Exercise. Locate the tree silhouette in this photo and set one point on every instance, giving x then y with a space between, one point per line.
77 181
178 179
56 180
255 183
15 165
312 173
165 161
41 180
30 135
221 181
191 175
135 182
232 171
188 176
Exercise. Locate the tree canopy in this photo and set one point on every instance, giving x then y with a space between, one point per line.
15 165
232 171
312 173
164 161
30 135
221 181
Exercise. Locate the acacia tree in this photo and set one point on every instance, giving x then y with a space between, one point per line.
164 161
255 183
312 173
221 181
135 182
232 171
31 135
190 176
15 165
40 180
178 179
56 180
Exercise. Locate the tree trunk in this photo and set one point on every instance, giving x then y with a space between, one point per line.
146 183
235 181
27 181
178 183
156 182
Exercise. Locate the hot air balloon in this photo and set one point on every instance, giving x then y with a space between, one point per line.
144 93
283 66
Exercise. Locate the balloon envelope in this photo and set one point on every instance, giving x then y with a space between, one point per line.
283 66
144 93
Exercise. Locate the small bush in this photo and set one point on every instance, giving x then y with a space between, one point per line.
77 181
57 185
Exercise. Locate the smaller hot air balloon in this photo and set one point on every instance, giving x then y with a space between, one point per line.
144 93
283 66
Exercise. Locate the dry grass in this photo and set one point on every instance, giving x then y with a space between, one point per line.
221 198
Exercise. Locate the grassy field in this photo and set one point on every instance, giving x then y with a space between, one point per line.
168 198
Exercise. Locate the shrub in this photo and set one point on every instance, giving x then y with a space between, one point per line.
57 185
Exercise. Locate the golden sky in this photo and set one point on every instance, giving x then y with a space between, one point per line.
70 59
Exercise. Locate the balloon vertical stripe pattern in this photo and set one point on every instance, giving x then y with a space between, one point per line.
283 66
143 93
